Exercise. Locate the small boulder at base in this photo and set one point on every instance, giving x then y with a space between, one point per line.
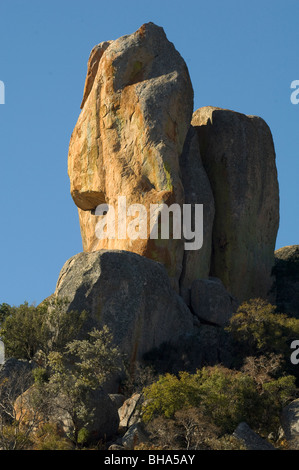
211 302
129 412
134 436
250 439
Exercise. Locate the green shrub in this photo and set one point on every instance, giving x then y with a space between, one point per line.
84 366
83 436
48 437
40 375
258 329
22 331
5 311
170 394
226 396
28 329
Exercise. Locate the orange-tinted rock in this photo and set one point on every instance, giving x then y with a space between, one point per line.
136 112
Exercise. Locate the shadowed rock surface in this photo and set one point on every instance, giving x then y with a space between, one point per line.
250 439
286 272
211 302
128 293
197 188
239 158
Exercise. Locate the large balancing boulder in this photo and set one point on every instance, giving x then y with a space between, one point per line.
136 112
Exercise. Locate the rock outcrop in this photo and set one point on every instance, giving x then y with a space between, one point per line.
136 146
130 294
211 302
129 413
103 423
197 190
239 157
286 272
136 112
134 436
250 439
290 424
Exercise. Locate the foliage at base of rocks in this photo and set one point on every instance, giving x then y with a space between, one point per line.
186 409
225 396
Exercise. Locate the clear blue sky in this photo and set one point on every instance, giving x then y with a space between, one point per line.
241 55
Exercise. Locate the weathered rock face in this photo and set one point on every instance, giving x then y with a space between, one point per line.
207 346
129 412
130 294
134 436
239 158
136 111
286 272
103 424
211 302
250 439
197 189
290 424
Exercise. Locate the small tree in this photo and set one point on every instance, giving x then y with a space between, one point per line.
258 329
225 396
28 329
20 411
262 369
74 374
22 331
5 311
61 325
189 429
170 394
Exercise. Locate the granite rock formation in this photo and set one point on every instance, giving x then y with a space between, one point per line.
130 294
136 111
286 272
211 302
136 138
239 158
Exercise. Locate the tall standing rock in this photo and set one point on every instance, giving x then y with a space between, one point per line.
239 157
136 112
197 189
